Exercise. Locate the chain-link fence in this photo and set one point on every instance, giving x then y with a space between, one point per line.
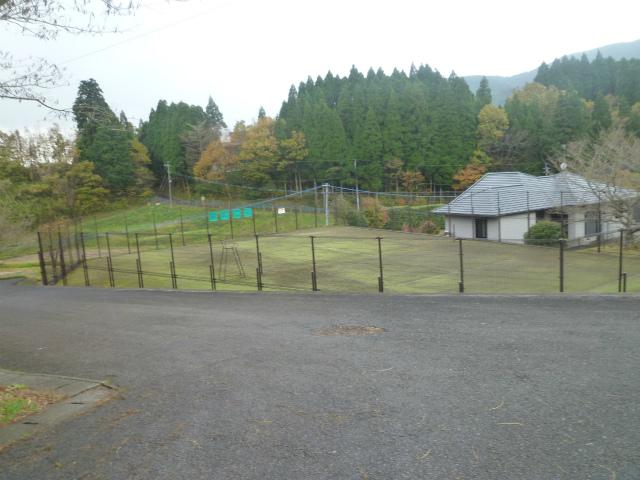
334 259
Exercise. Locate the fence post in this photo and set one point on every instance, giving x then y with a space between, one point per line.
182 227
139 264
315 215
561 259
259 265
231 222
69 246
212 271
461 255
95 227
206 221
624 282
63 267
275 217
155 227
253 220
295 211
172 265
112 280
75 239
126 230
620 260
314 276
381 277
85 268
43 267
54 258
325 193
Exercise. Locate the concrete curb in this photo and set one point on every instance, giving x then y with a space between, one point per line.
80 396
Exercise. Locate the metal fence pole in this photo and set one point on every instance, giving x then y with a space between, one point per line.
112 280
381 277
620 260
126 230
63 267
259 262
212 271
75 239
155 227
95 225
461 255
43 267
85 267
172 265
325 193
275 218
139 264
54 258
69 247
231 222
182 227
253 220
295 211
561 261
314 273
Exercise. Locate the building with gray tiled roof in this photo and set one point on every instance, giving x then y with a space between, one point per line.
503 205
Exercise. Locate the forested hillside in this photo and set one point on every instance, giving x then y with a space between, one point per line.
503 87
415 131
423 120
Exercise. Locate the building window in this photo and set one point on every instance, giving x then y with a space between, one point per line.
591 224
481 228
539 215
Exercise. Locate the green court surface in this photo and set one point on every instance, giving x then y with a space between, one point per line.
347 261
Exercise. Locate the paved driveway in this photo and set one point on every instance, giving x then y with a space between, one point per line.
237 386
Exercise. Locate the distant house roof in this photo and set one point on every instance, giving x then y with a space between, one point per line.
506 193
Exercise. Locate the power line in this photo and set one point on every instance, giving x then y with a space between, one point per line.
145 34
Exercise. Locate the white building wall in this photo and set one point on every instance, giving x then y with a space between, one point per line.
461 227
493 230
513 227
509 228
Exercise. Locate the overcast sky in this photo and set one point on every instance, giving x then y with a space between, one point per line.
246 53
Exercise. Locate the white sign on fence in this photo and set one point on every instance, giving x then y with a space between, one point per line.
281 211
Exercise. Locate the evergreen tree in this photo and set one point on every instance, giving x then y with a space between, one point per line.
103 139
164 136
601 115
261 113
214 116
483 94
367 151
392 129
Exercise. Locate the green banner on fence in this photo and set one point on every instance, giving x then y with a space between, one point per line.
237 213
224 215
247 212
213 216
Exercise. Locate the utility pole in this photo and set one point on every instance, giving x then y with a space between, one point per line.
169 179
355 168
325 193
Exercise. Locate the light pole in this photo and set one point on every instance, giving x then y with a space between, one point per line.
325 193
169 177
355 168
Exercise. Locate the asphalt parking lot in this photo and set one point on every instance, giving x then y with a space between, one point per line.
250 386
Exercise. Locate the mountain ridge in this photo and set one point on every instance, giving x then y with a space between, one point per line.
502 87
